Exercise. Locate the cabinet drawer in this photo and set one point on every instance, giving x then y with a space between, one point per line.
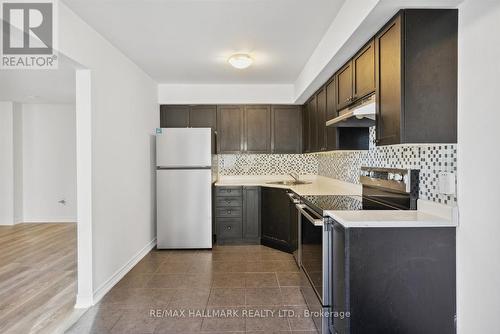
231 201
229 229
228 212
228 191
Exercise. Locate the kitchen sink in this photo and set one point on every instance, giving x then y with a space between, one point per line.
289 182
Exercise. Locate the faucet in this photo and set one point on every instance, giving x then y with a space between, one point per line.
295 176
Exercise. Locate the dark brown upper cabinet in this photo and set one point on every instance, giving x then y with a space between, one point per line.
313 124
306 144
286 132
257 126
331 112
344 86
389 88
230 128
203 116
174 116
363 69
321 119
416 77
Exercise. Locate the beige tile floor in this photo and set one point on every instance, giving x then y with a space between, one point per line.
238 289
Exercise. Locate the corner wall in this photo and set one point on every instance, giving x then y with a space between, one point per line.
478 248
6 163
119 127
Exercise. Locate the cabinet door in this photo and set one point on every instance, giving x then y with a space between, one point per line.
174 116
275 216
306 143
257 129
344 86
388 82
229 129
203 117
251 214
331 112
321 119
313 126
363 68
286 129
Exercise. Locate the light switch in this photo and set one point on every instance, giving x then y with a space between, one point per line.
447 183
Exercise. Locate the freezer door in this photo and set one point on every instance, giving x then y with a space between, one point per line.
184 208
184 147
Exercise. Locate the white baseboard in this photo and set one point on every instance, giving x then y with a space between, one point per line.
118 275
48 220
83 302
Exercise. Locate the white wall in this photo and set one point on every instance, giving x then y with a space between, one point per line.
123 116
6 164
49 162
478 264
225 93
17 128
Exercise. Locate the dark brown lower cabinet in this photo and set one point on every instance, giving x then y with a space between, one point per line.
251 215
237 215
409 272
275 219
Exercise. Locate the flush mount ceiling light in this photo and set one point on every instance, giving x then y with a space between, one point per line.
240 60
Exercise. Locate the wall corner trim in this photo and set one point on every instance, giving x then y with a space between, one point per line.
83 301
120 273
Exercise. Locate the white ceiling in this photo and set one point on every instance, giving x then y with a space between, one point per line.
188 41
38 86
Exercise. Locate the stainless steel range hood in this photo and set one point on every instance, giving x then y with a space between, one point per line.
360 114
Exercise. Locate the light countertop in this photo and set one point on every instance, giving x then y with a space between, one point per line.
429 214
319 185
381 218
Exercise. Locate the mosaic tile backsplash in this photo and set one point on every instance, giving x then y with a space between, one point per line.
267 164
345 165
429 159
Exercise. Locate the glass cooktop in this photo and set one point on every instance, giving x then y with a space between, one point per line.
321 203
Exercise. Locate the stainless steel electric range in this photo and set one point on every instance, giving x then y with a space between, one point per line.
383 189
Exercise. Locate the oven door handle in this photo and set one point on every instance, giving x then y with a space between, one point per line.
315 222
294 199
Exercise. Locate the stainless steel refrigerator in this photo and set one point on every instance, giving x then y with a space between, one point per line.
183 188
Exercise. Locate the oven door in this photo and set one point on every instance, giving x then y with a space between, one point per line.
315 255
294 227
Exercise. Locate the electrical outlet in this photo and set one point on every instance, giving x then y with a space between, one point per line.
447 183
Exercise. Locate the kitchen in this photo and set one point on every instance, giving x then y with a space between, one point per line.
281 166
279 180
